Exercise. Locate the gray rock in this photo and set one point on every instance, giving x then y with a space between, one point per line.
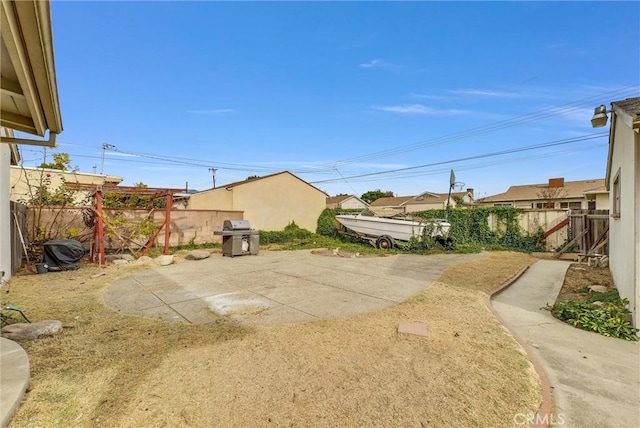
25 331
144 259
120 262
197 255
164 260
127 257
111 257
598 288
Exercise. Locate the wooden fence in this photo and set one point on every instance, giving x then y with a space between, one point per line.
590 230
531 221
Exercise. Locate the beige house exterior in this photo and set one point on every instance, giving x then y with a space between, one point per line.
422 202
26 180
556 194
623 183
29 97
269 203
346 202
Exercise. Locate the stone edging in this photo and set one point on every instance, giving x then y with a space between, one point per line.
544 413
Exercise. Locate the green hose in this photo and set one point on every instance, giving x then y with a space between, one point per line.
13 308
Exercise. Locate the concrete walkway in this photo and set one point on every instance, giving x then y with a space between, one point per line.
277 287
14 378
595 379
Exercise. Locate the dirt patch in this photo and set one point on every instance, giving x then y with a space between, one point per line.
579 277
111 369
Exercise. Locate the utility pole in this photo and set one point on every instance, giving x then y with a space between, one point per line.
452 182
105 146
213 173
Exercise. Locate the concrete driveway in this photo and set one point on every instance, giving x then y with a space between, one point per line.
277 286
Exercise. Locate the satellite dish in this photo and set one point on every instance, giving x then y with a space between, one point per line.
458 185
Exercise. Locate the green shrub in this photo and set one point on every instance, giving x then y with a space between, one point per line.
470 226
609 319
327 223
290 233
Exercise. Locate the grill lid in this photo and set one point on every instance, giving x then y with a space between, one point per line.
236 225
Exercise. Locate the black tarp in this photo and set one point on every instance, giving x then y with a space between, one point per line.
62 254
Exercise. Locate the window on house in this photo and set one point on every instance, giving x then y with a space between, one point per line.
571 205
542 205
592 205
615 206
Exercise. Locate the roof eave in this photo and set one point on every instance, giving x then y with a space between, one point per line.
27 35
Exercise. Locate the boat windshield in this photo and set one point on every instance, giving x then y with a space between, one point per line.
367 213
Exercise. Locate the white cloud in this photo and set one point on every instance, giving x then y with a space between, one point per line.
483 93
378 63
429 96
374 63
418 109
580 115
214 111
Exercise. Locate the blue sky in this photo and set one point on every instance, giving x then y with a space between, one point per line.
341 91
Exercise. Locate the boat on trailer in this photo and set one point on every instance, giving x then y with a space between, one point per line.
382 232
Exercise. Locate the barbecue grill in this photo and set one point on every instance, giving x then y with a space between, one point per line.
238 239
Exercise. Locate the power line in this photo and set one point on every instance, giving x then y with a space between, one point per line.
541 114
480 156
481 165
331 168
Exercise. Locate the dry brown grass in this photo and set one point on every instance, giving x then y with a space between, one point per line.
111 369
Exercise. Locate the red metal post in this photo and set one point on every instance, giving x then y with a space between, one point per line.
100 228
167 223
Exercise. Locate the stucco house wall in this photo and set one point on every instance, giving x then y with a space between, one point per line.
349 202
5 210
269 203
352 204
624 231
424 206
602 201
26 180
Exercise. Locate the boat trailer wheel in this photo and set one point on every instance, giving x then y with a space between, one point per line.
384 242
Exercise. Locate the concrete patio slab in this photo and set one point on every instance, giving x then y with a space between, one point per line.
277 287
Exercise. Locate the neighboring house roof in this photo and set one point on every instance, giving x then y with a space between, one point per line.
396 201
338 199
422 198
251 180
343 198
629 111
528 192
597 190
435 197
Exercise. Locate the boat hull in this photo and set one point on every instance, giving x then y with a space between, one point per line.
398 229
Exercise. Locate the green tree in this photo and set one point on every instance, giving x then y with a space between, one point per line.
372 195
61 161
